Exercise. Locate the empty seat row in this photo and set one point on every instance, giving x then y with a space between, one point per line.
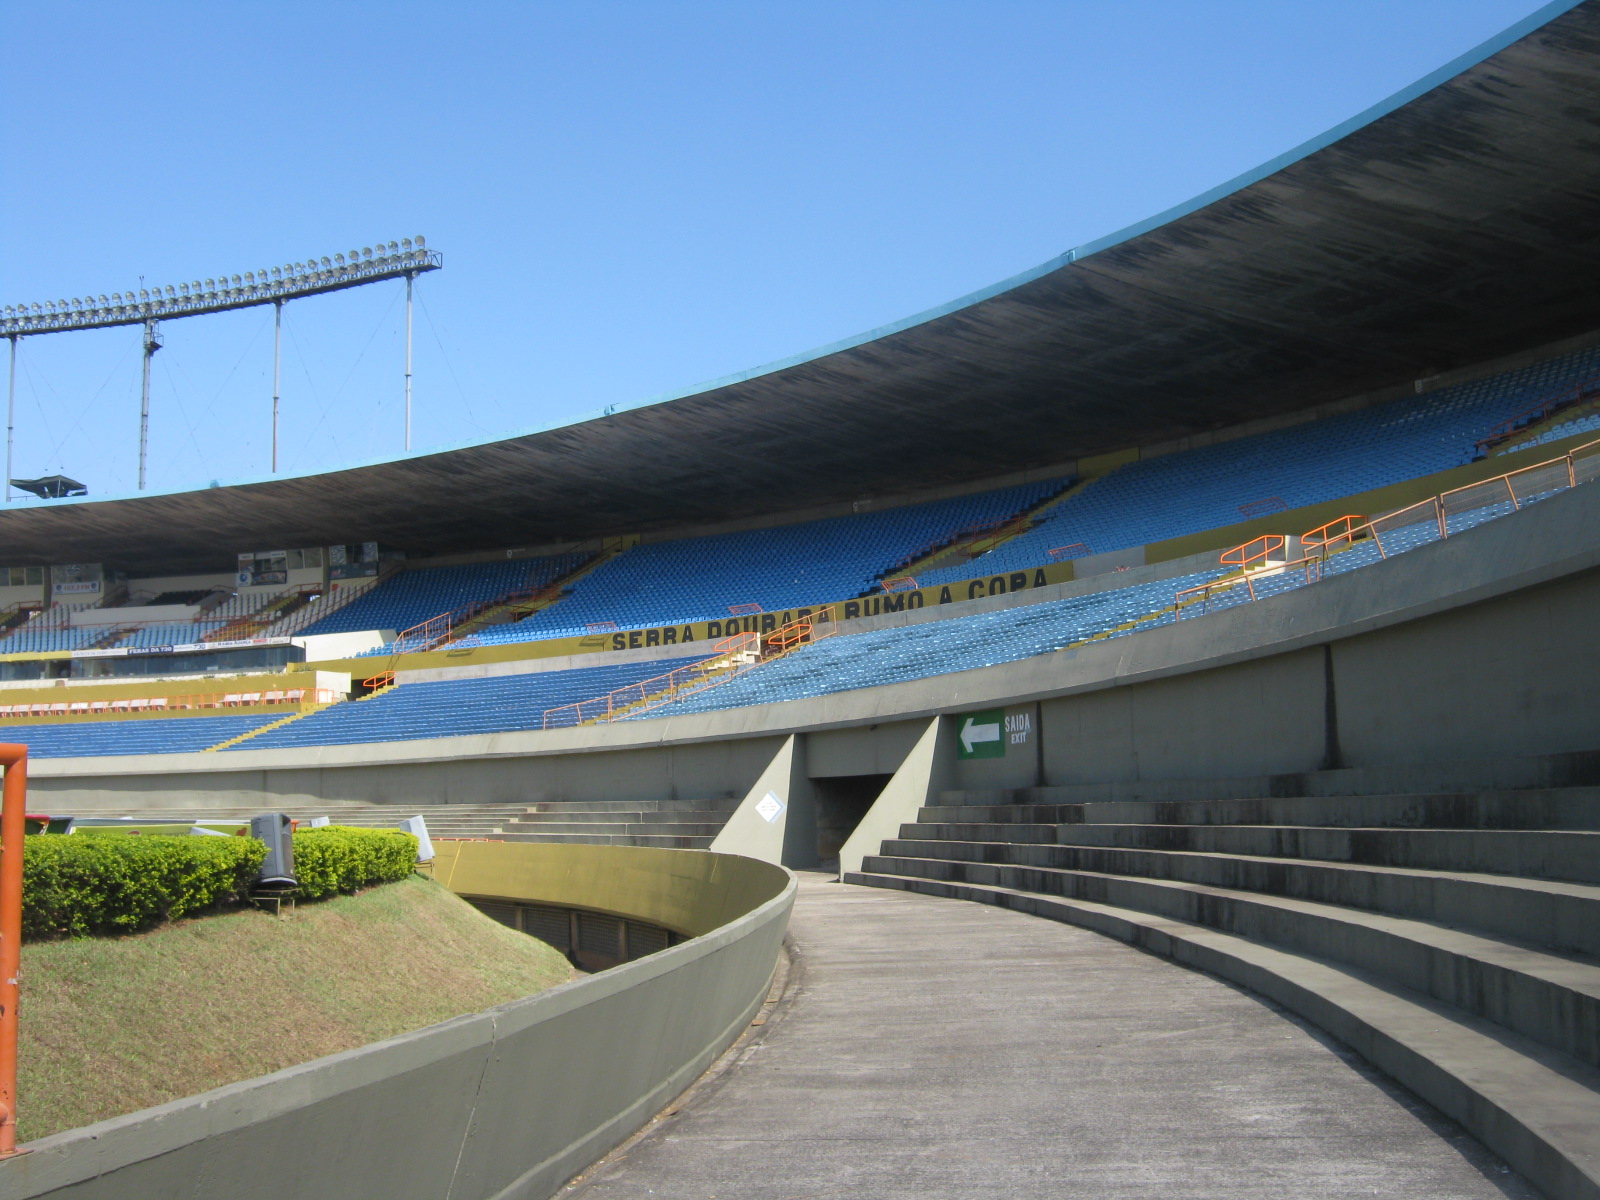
499 704
419 595
696 579
158 735
1213 486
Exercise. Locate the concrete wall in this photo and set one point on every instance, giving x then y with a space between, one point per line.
508 1103
721 769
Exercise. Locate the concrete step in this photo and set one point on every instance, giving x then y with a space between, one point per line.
1550 997
1534 854
698 804
1557 914
623 815
586 829
1532 1105
1542 808
971 831
616 839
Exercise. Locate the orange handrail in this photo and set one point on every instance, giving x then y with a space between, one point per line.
1256 550
900 583
1060 553
13 826
988 539
1435 509
1547 406
423 636
744 610
735 655
974 533
1340 529
786 637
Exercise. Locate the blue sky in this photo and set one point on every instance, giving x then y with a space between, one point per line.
631 197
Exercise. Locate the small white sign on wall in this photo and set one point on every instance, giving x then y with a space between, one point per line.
770 807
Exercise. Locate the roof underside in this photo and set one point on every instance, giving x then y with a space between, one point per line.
1459 227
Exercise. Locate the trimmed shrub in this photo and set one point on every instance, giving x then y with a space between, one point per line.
75 886
340 858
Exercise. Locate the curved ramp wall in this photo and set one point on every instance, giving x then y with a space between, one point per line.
506 1104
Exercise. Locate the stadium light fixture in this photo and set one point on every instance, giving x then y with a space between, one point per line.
405 259
390 260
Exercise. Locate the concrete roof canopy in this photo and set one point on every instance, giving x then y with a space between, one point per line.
1451 224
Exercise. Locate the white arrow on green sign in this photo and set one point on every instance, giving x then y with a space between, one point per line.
978 735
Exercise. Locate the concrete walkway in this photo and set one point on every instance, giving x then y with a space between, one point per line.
931 1049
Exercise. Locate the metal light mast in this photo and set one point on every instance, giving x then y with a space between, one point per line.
11 410
405 259
152 343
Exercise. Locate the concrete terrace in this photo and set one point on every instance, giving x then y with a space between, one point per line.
932 1049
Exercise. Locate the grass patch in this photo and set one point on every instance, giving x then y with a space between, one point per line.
113 1025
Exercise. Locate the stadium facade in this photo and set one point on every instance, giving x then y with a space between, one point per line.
1226 586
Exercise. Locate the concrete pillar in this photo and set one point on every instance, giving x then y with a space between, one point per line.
924 774
776 821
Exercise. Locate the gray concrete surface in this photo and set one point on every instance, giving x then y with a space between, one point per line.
503 1104
933 1049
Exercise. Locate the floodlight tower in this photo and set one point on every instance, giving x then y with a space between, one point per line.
405 259
152 343
11 409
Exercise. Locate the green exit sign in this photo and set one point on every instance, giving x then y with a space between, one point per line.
981 735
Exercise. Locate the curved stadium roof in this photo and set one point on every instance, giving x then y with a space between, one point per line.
1457 221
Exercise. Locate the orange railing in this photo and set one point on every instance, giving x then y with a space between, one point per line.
732 655
988 539
1567 397
118 708
1259 549
900 583
1325 537
1428 519
1069 551
735 656
424 635
797 633
744 610
976 534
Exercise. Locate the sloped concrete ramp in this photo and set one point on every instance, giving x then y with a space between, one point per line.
933 1049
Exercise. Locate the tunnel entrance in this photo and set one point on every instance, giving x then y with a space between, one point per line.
842 800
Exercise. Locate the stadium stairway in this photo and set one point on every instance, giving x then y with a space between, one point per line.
667 824
444 821
1452 939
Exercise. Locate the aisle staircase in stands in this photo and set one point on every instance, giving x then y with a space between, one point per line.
1453 939
964 545
519 605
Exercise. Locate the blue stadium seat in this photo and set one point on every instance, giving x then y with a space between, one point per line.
1196 490
499 704
152 735
696 579
413 597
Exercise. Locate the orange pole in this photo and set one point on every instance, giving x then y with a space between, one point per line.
12 827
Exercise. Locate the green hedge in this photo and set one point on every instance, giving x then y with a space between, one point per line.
76 886
339 858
